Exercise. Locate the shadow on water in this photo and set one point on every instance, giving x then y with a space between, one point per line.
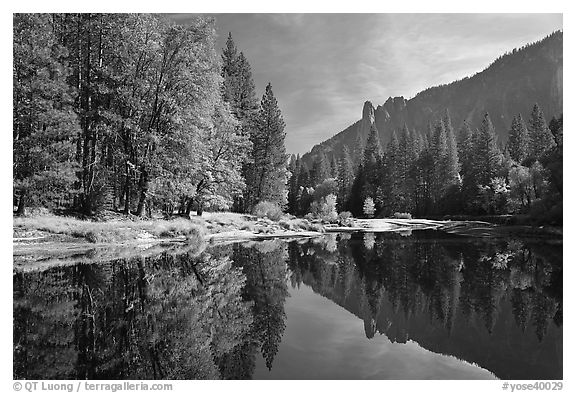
493 303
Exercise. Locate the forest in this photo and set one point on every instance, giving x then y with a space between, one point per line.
136 114
133 113
440 172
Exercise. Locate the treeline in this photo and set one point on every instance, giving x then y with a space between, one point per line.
440 172
131 112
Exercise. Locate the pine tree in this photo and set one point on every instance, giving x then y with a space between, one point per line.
304 175
345 176
518 140
371 160
303 197
388 188
358 151
45 126
452 158
321 169
407 156
439 149
556 129
373 148
464 142
405 152
424 174
466 138
229 70
245 104
333 166
266 175
487 157
355 199
541 139
238 85
238 90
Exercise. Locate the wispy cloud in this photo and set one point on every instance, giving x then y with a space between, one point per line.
324 66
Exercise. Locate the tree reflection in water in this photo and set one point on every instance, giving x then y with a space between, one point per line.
182 316
492 303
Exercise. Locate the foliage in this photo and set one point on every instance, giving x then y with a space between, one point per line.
440 173
541 138
267 209
345 175
325 208
267 174
345 218
130 112
368 207
494 197
45 125
521 191
321 170
519 140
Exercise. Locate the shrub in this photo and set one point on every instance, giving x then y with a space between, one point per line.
178 227
324 209
369 207
345 218
316 227
324 189
267 209
286 225
327 211
407 216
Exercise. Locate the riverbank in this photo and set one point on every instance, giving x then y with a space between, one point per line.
50 233
472 228
49 239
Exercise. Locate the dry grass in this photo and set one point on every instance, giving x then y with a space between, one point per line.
119 229
110 231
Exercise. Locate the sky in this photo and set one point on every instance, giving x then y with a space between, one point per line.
323 67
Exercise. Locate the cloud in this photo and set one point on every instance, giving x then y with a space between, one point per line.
324 66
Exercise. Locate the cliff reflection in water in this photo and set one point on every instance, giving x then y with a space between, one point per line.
497 304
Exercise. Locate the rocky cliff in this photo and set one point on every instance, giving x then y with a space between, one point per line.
512 84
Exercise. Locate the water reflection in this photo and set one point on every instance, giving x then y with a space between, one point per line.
497 304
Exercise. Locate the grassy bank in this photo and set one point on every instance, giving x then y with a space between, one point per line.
46 240
114 231
116 228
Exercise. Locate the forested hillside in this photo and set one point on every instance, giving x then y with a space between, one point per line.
490 144
133 113
446 171
510 85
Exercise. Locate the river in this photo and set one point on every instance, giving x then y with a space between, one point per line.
427 305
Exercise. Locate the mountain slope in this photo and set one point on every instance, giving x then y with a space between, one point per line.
512 84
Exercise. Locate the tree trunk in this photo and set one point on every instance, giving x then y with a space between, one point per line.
144 183
189 207
21 205
127 200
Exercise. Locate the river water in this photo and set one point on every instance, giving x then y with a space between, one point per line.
361 306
